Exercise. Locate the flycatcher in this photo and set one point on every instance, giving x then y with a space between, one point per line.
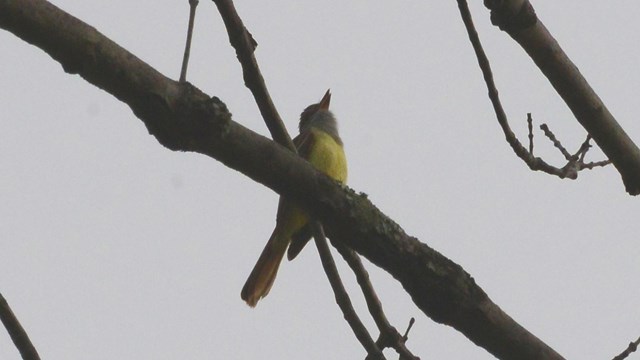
319 144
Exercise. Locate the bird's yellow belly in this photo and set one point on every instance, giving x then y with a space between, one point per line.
328 156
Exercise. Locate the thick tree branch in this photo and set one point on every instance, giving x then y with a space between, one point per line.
519 20
183 118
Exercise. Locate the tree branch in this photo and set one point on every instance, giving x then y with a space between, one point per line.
342 297
193 5
518 19
569 170
389 336
241 40
183 118
633 346
16 332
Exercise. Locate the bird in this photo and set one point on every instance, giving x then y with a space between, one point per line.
320 144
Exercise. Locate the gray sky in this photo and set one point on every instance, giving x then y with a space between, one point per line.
113 247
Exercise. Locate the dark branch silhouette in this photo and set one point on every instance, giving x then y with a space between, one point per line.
16 332
342 297
244 44
519 20
574 163
193 5
633 346
389 336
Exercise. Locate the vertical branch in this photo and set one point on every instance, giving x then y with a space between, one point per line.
16 332
530 128
193 4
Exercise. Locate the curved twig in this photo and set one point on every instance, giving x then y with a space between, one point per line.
633 346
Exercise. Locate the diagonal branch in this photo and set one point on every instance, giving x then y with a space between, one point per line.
245 45
519 20
16 332
183 118
342 297
633 346
389 336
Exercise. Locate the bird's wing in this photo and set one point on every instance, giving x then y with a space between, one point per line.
304 143
298 241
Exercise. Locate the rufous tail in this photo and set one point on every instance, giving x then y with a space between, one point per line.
264 272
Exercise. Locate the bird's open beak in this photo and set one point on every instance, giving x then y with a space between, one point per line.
324 103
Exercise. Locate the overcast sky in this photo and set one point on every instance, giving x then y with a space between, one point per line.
113 247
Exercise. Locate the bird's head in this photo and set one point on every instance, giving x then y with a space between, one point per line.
319 116
309 115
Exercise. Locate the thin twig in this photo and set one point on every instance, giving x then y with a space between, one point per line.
16 332
582 151
483 61
342 298
549 134
389 336
591 165
193 4
633 346
244 44
530 128
406 333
